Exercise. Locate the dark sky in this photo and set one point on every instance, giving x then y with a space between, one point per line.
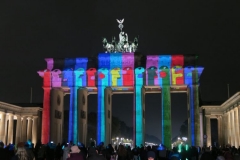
33 30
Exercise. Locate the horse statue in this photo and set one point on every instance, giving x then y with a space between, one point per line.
107 46
134 45
123 45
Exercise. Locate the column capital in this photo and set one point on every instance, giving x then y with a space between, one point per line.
29 118
219 116
2 111
208 116
34 117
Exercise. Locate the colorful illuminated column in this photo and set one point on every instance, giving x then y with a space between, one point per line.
103 80
192 80
164 73
166 110
139 137
68 81
143 115
73 110
46 115
46 74
73 113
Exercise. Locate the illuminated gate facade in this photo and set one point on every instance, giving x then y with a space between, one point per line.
113 73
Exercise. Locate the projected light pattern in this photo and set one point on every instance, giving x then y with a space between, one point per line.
103 80
114 70
164 72
177 69
79 81
46 75
68 81
138 108
117 70
191 79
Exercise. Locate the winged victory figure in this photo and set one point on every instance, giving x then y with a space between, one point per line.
120 23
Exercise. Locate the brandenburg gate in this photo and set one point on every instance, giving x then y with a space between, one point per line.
119 70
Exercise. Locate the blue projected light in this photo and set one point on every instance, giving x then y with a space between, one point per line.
189 80
102 83
79 66
188 75
104 60
69 81
138 94
69 63
81 63
73 115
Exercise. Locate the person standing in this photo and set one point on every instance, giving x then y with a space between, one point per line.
151 155
75 154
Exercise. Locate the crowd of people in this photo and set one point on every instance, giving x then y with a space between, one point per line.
70 151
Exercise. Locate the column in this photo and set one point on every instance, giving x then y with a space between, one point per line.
18 130
236 122
219 119
208 130
57 115
194 118
225 129
46 115
10 128
201 128
238 108
24 129
233 128
34 130
229 128
108 115
73 116
166 116
82 118
29 129
221 131
2 129
138 110
144 114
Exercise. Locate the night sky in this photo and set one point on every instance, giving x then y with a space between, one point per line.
33 30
